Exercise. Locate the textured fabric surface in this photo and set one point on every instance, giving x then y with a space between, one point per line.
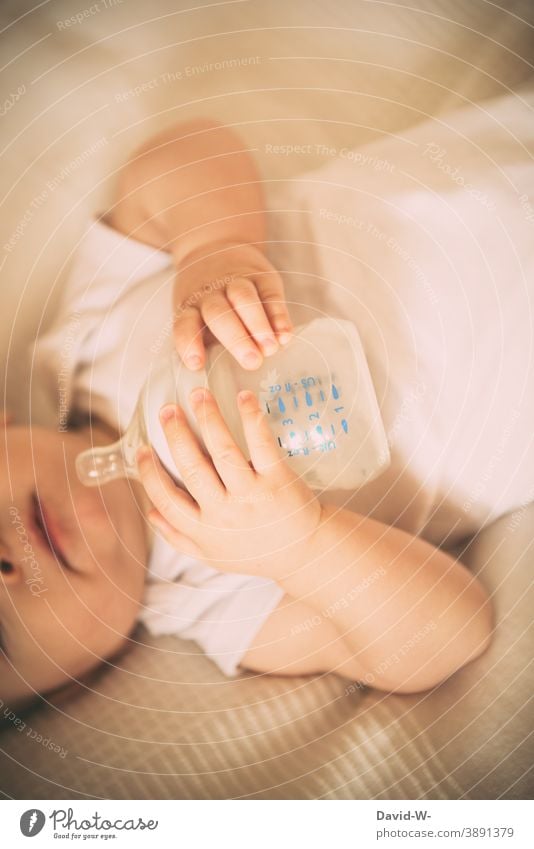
163 722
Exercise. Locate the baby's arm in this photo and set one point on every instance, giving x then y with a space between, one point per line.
408 615
194 190
385 607
189 187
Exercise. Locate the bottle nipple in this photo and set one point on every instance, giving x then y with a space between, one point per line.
98 466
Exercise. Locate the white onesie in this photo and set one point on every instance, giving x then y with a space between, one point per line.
426 242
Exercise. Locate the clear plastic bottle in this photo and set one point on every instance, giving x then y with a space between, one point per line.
316 392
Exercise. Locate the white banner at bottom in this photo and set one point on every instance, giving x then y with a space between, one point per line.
268 824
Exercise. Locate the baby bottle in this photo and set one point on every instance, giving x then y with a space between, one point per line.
316 392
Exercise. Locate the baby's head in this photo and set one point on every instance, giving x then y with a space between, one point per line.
73 562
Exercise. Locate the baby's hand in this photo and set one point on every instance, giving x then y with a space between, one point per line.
234 292
254 518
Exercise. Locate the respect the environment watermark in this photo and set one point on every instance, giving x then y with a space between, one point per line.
51 185
186 73
390 242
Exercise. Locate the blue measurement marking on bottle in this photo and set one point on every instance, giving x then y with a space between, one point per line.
295 401
281 406
309 401
319 429
344 425
335 393
321 395
267 407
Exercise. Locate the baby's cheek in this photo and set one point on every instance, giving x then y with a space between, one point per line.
114 530
96 508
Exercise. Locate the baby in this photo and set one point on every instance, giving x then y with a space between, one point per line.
247 560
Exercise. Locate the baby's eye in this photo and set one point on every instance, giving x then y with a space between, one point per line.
6 567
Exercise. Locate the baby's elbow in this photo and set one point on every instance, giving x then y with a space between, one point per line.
468 644
470 640
448 654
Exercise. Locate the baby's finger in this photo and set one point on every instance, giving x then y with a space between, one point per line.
188 326
175 538
271 291
174 504
243 296
261 445
232 467
195 469
223 322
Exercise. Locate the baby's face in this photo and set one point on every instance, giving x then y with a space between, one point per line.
71 577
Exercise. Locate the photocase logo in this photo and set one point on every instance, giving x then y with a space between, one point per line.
31 822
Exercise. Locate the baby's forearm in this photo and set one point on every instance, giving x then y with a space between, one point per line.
191 186
410 614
